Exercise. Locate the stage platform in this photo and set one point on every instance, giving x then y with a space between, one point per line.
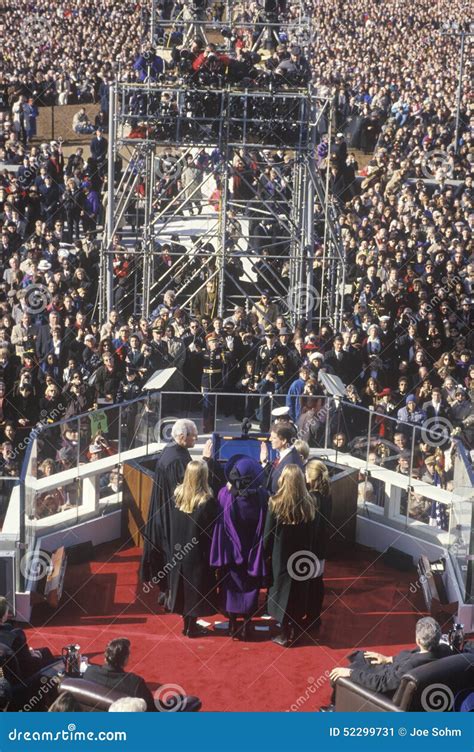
368 605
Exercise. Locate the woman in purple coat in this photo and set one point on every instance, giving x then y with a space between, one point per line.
237 547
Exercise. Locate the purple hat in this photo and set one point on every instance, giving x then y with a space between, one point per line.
410 398
243 473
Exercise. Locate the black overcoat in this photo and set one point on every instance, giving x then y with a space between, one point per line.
294 554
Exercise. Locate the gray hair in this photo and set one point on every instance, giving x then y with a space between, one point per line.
128 705
428 633
183 427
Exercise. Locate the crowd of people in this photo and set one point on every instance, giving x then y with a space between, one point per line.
404 347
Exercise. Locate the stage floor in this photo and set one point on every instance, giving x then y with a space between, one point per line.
368 605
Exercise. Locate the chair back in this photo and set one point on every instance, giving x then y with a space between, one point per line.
433 687
91 696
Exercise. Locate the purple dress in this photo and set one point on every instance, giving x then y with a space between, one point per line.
237 543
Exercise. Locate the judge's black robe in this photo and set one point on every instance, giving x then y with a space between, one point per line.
169 473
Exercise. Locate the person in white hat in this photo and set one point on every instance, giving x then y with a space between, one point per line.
281 416
44 266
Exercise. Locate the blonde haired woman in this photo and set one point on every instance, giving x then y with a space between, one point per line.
290 539
191 579
317 479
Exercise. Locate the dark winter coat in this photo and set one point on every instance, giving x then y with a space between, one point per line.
191 579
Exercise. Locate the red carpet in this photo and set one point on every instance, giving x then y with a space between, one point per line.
367 605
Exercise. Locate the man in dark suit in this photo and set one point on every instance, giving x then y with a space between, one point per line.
99 146
437 414
383 674
340 361
28 661
50 195
44 337
281 439
112 675
435 408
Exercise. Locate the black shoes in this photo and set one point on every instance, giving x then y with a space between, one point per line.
192 629
239 631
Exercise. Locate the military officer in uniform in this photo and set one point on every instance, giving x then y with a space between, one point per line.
212 379
130 388
267 352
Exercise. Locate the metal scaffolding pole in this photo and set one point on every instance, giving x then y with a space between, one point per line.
112 151
467 32
147 235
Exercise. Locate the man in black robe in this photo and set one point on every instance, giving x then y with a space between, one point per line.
169 473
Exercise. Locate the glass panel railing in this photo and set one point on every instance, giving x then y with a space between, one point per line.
110 486
461 545
62 498
332 423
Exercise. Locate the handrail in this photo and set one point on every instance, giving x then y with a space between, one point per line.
331 404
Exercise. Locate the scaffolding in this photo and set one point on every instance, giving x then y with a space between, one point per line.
217 223
216 21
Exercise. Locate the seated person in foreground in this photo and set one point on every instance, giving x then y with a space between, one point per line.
383 674
28 661
112 675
